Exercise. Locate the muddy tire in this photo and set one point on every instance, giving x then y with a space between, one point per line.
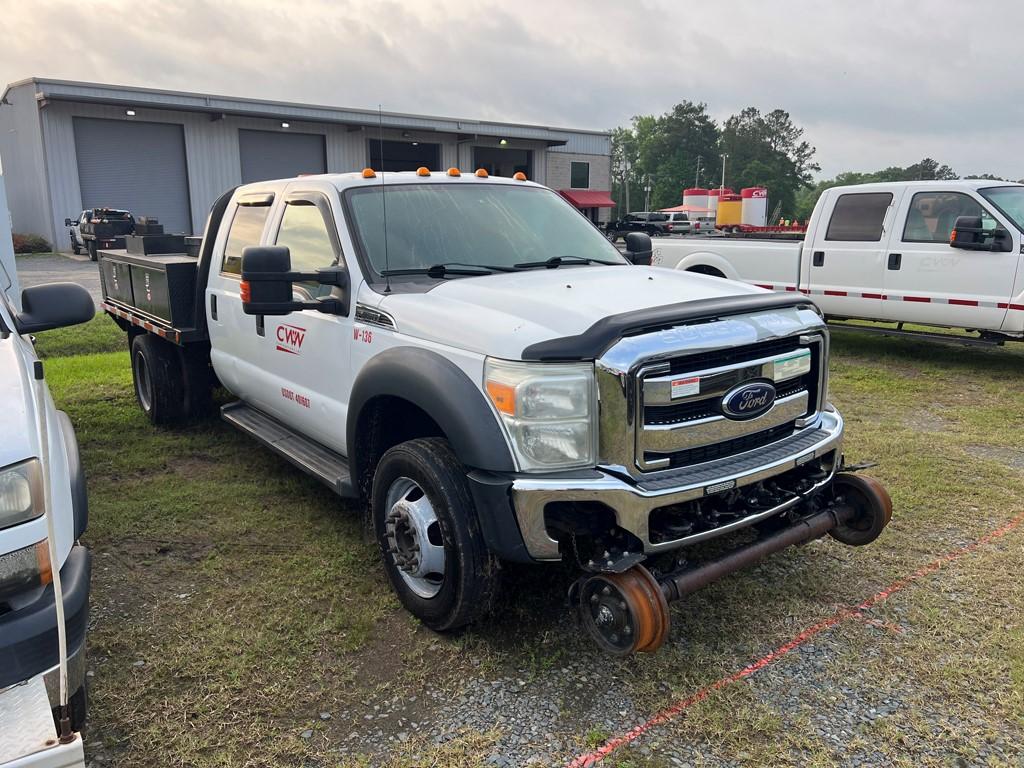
429 535
75 247
90 246
159 383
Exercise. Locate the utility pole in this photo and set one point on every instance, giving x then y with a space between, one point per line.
647 192
700 161
724 156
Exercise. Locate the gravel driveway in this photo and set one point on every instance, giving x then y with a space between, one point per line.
59 267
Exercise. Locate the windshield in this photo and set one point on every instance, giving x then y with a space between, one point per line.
489 225
1009 200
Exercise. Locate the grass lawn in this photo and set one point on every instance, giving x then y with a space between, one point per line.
235 600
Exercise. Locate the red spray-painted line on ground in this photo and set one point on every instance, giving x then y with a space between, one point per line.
673 711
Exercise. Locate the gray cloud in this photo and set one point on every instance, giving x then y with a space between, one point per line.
874 83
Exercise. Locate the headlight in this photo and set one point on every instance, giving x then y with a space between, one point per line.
549 412
21 493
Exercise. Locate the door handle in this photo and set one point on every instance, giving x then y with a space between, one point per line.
213 305
895 260
261 329
818 260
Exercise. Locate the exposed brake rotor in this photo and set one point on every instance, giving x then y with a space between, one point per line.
624 612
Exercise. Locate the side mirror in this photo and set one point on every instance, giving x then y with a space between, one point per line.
639 249
267 280
1002 240
968 234
69 222
54 305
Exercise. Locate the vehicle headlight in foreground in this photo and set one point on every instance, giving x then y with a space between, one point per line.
548 410
21 493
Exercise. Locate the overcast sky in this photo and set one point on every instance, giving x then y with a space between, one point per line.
873 83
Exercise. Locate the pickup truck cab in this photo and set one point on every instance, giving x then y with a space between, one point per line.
940 253
98 228
40 477
472 358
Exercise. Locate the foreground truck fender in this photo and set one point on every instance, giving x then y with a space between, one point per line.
471 358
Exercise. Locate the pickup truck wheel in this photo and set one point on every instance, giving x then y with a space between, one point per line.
159 384
90 246
429 535
75 247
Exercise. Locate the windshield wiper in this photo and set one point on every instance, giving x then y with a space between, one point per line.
556 261
448 268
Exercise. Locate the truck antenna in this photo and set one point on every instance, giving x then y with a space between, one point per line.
383 199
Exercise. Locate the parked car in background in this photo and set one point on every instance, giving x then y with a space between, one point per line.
97 228
702 225
43 512
452 382
655 224
940 253
680 223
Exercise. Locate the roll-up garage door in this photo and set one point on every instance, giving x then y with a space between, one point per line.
136 166
271 155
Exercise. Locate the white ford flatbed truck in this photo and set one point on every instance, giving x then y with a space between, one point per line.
470 357
43 511
937 253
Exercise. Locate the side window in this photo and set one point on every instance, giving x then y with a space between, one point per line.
931 216
579 175
304 232
859 217
246 229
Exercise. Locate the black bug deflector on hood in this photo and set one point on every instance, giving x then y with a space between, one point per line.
597 339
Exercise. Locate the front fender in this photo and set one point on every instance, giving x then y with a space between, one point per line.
444 392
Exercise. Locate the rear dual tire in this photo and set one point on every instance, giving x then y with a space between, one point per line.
172 384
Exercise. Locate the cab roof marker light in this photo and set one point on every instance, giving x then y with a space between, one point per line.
481 173
368 173
519 176
454 172
422 171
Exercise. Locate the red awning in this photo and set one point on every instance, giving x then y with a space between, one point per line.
587 198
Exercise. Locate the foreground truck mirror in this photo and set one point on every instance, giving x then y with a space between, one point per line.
54 305
267 279
639 249
69 223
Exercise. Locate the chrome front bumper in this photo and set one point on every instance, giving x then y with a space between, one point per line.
633 502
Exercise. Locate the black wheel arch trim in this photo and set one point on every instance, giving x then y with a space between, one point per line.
442 391
79 493
597 339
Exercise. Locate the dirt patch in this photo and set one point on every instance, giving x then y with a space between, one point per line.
927 421
1010 457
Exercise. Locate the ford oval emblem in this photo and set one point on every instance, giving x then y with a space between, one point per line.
748 401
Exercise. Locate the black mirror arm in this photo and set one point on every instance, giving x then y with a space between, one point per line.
336 276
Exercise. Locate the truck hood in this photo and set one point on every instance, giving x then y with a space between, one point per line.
500 315
17 416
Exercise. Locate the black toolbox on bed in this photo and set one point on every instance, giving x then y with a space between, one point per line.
159 285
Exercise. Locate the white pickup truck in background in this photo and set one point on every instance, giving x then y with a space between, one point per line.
939 253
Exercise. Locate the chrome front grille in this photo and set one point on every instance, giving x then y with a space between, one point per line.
649 427
678 401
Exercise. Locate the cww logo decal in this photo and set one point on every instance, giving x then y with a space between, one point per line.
290 338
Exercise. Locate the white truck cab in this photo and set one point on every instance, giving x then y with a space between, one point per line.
472 358
40 477
940 253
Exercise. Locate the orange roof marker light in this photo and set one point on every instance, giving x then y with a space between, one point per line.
368 173
454 172
519 176
481 173
423 171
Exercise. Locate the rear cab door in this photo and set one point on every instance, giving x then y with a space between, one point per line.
843 259
928 281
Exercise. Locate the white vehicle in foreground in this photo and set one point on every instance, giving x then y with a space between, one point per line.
940 253
470 356
44 572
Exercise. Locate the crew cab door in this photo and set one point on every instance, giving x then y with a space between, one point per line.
928 281
304 357
843 262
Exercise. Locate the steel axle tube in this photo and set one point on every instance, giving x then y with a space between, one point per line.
675 586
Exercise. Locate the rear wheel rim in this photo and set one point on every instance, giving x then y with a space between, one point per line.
414 540
142 382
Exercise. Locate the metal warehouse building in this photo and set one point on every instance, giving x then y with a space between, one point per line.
69 146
